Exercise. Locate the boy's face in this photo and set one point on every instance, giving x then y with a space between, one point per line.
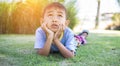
54 17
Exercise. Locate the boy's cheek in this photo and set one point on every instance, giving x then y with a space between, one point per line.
47 25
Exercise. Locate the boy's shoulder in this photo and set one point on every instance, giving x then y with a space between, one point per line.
68 29
38 30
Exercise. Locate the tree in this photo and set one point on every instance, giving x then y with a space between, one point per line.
97 16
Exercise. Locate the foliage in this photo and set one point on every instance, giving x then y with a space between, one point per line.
21 17
71 13
4 16
118 2
116 19
24 17
116 22
103 49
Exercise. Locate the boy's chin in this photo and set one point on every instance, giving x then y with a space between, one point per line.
54 30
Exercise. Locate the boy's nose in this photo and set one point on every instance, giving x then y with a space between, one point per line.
54 19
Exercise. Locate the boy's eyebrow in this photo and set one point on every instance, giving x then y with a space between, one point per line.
58 12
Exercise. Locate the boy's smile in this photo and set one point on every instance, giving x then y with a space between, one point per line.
54 17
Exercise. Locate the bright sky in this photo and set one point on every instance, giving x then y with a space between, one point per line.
88 8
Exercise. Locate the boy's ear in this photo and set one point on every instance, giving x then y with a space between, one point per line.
67 22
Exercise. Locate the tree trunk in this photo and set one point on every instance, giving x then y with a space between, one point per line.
97 16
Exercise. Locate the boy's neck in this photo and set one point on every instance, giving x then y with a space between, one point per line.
61 36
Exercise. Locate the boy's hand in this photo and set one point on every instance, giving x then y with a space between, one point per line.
59 32
45 28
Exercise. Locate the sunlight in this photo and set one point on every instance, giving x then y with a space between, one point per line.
23 15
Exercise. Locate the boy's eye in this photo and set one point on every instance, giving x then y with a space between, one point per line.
60 15
50 15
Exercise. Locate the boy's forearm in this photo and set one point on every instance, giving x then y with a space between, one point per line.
64 51
46 49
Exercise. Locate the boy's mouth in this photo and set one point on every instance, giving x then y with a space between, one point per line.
54 26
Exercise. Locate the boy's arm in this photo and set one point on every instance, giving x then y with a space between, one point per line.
46 49
63 50
49 34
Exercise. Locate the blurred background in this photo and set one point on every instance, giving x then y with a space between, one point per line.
23 16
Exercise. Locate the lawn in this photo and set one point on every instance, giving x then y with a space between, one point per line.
103 49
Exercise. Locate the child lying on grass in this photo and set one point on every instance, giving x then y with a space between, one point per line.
54 35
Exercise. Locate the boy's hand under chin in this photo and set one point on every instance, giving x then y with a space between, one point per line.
59 32
47 31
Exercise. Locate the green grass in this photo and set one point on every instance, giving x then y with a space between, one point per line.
103 49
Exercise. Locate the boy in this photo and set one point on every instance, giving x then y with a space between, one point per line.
54 35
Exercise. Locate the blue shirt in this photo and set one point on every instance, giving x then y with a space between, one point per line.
67 40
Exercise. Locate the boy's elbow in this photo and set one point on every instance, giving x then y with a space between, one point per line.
69 56
42 53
